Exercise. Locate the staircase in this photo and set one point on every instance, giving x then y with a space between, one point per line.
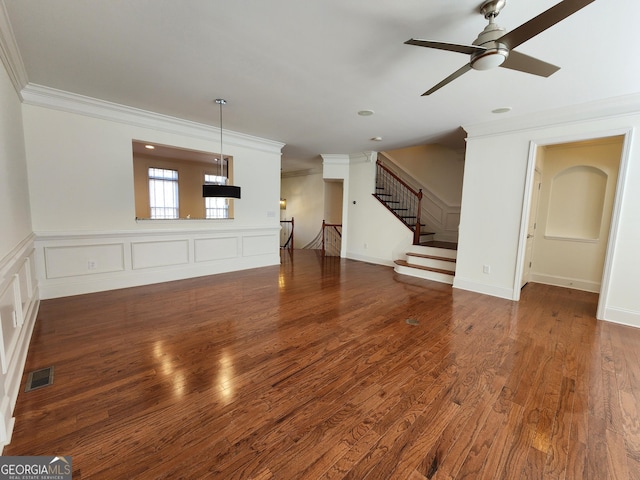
432 261
403 212
426 258
401 200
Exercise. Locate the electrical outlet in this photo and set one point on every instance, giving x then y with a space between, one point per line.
91 265
486 269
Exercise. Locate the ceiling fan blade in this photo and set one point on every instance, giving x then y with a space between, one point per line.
525 63
451 47
450 78
539 24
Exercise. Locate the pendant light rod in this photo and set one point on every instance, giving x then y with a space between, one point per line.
221 102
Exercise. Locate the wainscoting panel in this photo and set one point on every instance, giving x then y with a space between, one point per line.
11 321
19 304
434 211
26 279
258 244
452 221
209 249
74 264
163 253
71 261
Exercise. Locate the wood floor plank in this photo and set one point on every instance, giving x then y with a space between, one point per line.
310 370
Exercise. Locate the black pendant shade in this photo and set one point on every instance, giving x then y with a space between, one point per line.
225 191
221 190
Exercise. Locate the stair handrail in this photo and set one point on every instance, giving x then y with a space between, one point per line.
407 187
289 242
400 180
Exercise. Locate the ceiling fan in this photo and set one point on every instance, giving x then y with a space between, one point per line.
494 46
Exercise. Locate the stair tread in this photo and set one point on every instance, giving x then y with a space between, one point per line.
404 263
432 257
440 244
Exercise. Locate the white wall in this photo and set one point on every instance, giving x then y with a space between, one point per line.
79 160
437 167
498 168
18 289
374 233
305 203
15 216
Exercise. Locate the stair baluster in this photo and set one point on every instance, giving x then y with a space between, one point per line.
402 200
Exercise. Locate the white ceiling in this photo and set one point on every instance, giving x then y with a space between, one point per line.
298 71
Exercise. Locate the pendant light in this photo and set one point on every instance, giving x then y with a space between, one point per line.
220 189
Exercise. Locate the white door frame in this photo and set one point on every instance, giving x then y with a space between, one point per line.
615 214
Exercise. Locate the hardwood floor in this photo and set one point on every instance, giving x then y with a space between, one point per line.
311 370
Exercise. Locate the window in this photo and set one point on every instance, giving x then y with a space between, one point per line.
216 207
167 183
163 193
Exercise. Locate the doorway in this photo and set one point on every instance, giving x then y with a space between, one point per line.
574 213
531 228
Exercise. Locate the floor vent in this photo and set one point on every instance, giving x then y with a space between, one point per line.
412 321
39 378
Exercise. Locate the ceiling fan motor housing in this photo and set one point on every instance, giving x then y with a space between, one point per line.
495 54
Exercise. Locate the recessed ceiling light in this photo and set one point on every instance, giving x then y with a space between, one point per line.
501 110
150 147
377 139
366 113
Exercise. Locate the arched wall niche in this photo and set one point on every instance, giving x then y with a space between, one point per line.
576 203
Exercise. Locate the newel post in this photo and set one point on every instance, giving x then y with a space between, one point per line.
416 232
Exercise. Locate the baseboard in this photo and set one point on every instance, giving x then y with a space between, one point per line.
567 282
485 289
368 259
622 316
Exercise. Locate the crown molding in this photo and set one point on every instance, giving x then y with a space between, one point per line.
363 157
47 97
10 54
599 109
301 173
334 159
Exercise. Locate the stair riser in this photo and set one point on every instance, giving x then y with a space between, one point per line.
434 251
431 262
427 275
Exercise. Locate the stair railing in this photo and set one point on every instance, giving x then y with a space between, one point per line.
400 198
331 238
286 233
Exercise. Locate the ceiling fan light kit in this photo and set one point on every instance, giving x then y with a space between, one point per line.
494 46
489 59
